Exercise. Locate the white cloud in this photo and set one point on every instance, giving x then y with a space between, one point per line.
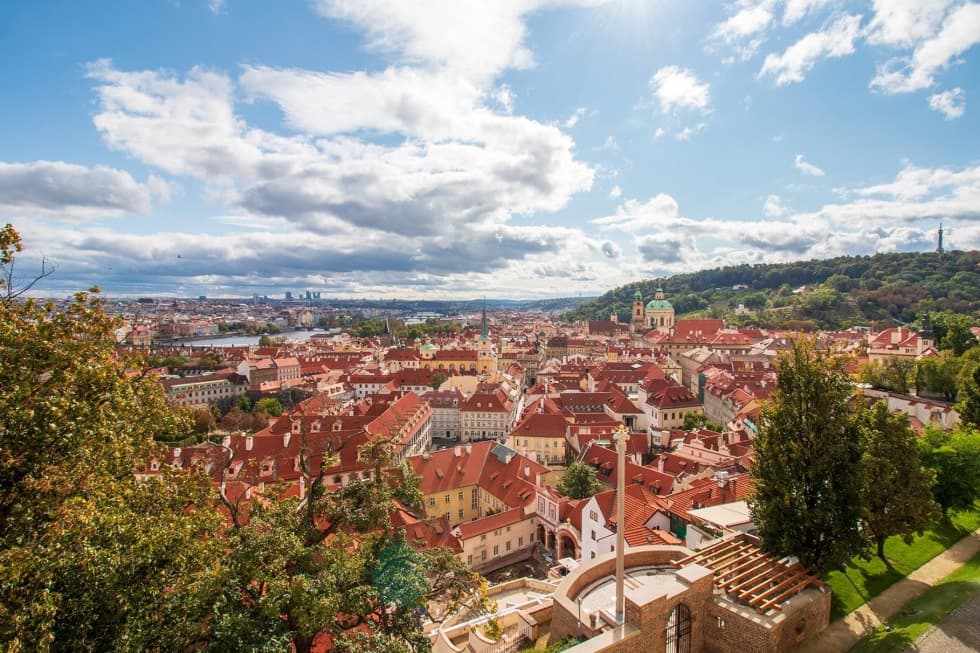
216 6
610 144
686 133
750 19
660 132
774 207
473 38
633 215
806 167
797 9
960 31
903 23
504 96
951 104
575 117
835 41
677 87
615 192
59 190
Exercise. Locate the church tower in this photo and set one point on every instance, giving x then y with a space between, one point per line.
636 323
660 313
486 361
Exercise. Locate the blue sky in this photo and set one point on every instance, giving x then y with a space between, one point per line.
456 148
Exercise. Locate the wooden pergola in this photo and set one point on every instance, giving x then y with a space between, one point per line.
752 577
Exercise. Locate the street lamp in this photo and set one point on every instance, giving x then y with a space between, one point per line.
621 437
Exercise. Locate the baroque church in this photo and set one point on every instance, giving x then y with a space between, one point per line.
657 314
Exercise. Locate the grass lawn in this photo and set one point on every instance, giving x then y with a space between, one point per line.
862 580
923 612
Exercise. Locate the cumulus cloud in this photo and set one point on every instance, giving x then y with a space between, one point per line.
903 23
774 207
677 87
837 40
951 104
55 189
806 167
744 30
615 192
960 31
634 215
666 248
611 249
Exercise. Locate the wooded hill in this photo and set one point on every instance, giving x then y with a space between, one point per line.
840 292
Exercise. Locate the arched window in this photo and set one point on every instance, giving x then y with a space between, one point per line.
679 630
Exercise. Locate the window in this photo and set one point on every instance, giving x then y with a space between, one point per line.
593 534
460 496
496 550
432 501
469 561
593 555
483 538
447 498
483 555
460 513
508 545
520 541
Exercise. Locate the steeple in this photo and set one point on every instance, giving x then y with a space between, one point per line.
484 332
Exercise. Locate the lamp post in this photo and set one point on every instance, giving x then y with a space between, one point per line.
621 437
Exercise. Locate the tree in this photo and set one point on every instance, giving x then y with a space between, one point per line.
953 332
269 406
807 472
955 458
969 404
90 557
937 376
333 563
266 341
437 380
579 481
896 492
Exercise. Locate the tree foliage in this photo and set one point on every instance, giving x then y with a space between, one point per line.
969 404
579 481
896 492
955 458
807 483
879 288
91 559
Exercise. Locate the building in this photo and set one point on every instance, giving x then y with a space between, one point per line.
204 390
486 416
728 598
445 412
542 437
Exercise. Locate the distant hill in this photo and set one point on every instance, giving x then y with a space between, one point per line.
840 292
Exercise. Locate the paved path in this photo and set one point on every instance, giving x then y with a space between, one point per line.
958 632
844 633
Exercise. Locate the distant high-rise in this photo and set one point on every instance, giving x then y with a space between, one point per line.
289 295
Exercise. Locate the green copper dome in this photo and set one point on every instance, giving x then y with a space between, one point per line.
637 295
659 303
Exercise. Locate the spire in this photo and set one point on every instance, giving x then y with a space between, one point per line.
484 333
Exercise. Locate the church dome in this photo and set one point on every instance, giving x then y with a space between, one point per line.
659 305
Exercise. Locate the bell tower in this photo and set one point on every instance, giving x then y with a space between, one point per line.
636 323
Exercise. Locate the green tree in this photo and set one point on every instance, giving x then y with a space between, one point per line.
969 404
953 332
269 406
579 481
266 341
938 375
807 472
437 380
333 563
896 492
955 458
91 558
173 361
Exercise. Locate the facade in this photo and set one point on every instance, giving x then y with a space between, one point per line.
445 412
486 416
541 436
202 391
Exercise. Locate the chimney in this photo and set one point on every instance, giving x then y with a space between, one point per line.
285 440
458 451
176 452
469 448
527 471
660 463
226 441
248 443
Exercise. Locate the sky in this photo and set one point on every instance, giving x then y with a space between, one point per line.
447 149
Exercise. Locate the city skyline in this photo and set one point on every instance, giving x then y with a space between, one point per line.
453 150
